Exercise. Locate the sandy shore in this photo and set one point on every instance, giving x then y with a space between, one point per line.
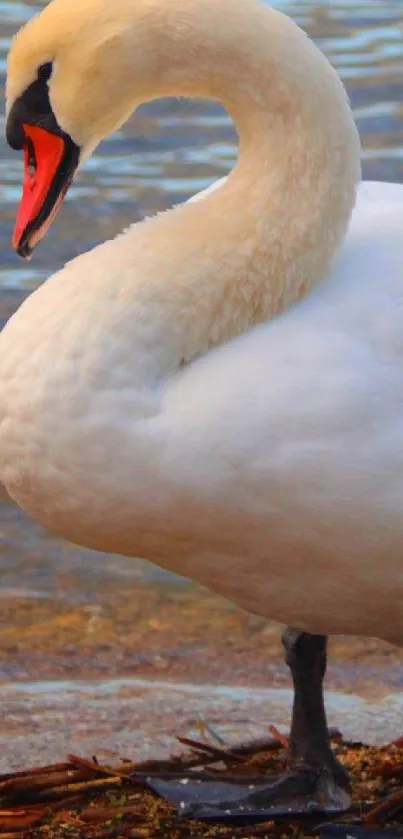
125 674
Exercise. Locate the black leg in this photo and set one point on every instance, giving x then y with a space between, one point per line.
314 781
310 750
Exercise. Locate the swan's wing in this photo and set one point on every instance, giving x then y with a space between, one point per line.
324 380
362 301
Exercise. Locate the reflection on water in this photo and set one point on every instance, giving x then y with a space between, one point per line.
169 150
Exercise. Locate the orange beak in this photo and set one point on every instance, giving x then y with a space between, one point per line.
50 161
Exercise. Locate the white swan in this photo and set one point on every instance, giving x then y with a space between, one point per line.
144 410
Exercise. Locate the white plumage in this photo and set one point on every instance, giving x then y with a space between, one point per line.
150 406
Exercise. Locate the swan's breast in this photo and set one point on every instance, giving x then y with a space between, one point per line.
68 406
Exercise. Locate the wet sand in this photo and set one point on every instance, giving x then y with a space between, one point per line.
148 630
125 674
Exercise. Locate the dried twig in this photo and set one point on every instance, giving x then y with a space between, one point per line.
214 751
105 770
38 770
42 781
64 793
281 738
388 807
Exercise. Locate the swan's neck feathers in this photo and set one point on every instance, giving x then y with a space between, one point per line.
200 274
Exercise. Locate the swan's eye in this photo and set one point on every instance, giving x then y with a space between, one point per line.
45 71
30 159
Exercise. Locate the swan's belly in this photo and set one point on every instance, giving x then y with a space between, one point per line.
326 559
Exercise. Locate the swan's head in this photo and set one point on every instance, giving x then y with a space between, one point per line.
78 70
75 73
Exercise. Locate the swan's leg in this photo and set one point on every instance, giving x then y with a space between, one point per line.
314 781
311 758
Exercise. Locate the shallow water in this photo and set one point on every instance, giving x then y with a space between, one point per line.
167 151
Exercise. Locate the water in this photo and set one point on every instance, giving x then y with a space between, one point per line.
171 149
167 151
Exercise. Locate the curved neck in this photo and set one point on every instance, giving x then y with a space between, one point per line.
207 271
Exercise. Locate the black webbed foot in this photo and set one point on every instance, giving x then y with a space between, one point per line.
315 782
302 791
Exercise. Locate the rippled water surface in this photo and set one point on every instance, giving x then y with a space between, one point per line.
169 150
